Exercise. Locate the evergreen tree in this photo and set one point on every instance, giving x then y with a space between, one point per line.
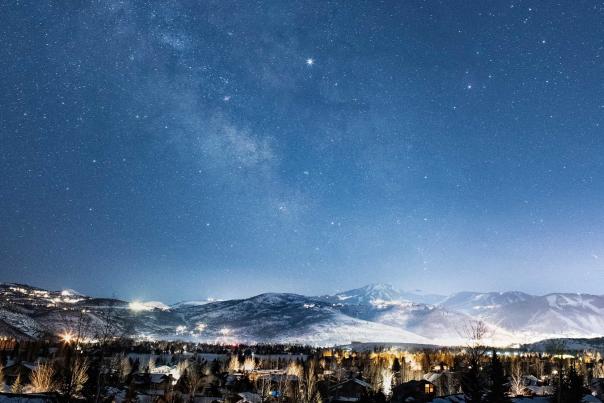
569 388
471 382
497 379
396 365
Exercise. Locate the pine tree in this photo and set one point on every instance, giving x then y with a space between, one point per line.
574 382
471 383
569 388
497 379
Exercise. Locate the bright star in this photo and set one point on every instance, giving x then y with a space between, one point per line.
310 61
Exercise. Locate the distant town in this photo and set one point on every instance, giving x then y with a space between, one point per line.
62 346
117 369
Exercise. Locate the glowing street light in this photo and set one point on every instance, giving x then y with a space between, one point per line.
67 337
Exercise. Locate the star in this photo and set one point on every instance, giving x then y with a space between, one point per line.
310 61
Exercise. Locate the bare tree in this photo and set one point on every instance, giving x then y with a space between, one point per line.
294 375
472 380
151 364
234 364
387 377
263 386
476 334
374 374
249 364
125 368
598 370
42 378
17 386
2 380
79 374
194 380
107 332
517 379
308 385
282 385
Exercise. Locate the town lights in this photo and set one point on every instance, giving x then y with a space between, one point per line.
67 337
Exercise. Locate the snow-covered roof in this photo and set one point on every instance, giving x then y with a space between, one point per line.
355 380
158 378
249 397
540 390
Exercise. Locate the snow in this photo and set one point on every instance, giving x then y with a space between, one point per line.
374 313
148 306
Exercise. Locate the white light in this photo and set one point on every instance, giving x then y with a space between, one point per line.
138 306
310 61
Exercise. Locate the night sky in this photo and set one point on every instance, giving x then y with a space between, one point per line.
186 149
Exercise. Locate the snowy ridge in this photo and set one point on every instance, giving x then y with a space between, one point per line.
374 313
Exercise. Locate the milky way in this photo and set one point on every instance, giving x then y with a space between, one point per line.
178 150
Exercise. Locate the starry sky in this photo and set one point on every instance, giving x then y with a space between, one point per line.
184 149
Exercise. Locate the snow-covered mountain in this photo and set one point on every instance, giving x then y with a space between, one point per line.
286 318
472 303
374 313
532 317
383 292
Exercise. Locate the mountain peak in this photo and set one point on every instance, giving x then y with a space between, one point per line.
379 287
369 293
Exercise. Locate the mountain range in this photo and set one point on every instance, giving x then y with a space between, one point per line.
374 313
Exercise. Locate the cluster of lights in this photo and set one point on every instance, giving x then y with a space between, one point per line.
66 297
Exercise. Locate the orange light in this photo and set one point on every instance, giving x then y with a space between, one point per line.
67 337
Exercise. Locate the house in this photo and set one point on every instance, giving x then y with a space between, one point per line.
351 390
445 382
543 390
152 384
22 369
414 391
531 380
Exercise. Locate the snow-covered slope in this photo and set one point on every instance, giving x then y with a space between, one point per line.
533 317
473 303
381 303
375 313
287 318
369 294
